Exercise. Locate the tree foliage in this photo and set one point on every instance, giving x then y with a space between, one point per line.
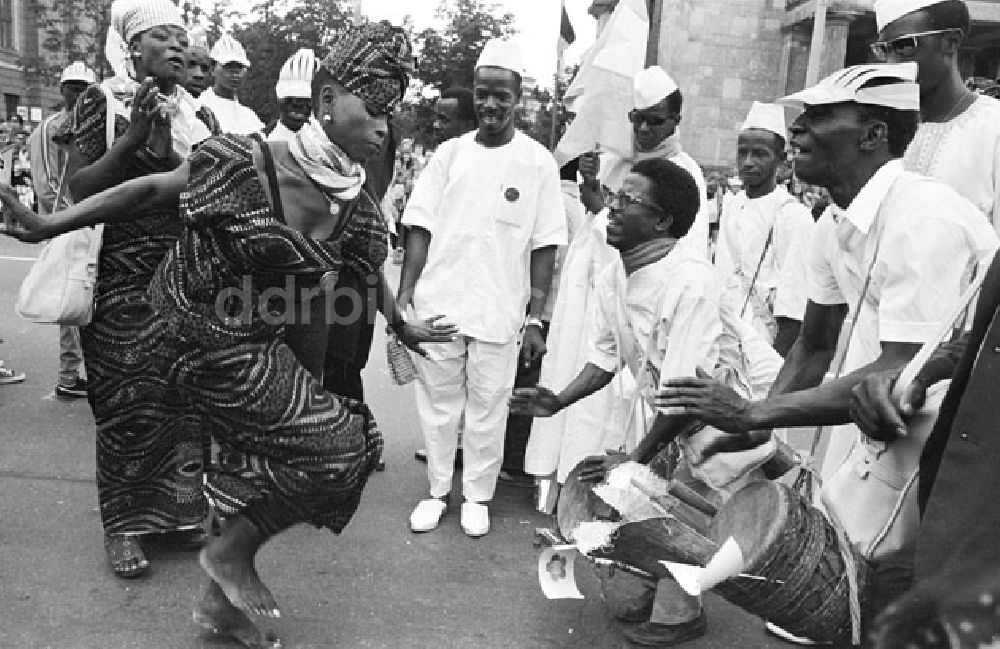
278 31
448 57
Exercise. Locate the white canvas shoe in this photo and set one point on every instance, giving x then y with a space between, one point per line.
427 514
475 519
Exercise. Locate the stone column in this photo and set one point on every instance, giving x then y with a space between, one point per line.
838 25
794 59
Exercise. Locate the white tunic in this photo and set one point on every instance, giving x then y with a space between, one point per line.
233 116
486 210
964 153
931 239
281 133
744 228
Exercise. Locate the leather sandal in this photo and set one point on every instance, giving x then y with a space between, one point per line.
125 555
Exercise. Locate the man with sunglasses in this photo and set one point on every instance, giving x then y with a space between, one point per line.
658 313
958 141
657 102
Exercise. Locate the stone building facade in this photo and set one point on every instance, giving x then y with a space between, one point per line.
725 54
19 39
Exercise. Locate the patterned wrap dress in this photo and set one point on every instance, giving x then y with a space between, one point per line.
149 442
290 452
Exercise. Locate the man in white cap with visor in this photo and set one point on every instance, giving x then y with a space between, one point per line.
959 136
896 247
294 91
230 64
48 160
764 233
485 218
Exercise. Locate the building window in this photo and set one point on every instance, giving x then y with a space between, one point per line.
11 102
7 25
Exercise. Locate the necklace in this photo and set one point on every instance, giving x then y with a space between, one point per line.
958 104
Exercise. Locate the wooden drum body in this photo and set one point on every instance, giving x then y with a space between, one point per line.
795 549
679 535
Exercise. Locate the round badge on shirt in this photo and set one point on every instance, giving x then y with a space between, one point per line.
512 194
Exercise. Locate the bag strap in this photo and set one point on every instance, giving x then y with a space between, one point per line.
756 273
272 179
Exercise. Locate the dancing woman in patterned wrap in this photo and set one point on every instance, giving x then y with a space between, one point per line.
256 217
149 443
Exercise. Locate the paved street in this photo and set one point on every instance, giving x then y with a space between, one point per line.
377 585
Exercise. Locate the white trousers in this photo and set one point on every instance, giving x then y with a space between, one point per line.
474 378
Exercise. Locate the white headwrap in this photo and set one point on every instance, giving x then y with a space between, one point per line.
888 11
130 18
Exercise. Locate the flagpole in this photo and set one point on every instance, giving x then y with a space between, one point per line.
556 109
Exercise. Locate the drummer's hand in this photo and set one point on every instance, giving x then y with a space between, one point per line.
707 399
534 402
877 413
19 221
597 467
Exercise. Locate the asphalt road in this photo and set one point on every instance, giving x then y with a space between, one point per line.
375 586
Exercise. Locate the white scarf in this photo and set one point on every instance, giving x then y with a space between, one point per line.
186 130
325 163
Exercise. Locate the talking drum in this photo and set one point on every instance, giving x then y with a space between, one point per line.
794 550
678 533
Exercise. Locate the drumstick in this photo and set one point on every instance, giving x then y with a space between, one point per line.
692 498
652 495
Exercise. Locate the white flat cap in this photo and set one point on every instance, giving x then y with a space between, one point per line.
651 86
229 50
887 11
898 87
295 78
78 71
501 53
767 117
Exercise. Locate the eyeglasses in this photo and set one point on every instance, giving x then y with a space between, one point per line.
618 201
653 121
904 46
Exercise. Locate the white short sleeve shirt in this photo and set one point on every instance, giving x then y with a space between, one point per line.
931 241
486 210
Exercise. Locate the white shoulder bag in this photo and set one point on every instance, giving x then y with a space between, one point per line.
59 287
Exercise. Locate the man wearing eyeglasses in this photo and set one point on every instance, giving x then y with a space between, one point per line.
958 141
657 103
659 314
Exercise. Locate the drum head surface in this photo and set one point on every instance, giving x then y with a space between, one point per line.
577 503
755 516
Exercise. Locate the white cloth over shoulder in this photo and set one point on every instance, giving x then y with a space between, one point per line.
965 153
281 133
233 116
486 209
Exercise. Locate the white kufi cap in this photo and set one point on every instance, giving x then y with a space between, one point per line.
897 87
78 71
501 53
229 50
887 11
651 86
198 37
767 117
295 78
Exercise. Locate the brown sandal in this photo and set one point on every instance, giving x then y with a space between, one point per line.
125 555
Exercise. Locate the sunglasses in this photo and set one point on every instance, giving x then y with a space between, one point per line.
653 121
904 45
618 201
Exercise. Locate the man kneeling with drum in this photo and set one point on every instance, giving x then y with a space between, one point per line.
660 314
895 250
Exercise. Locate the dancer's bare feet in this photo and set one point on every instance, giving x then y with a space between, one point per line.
228 560
215 613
